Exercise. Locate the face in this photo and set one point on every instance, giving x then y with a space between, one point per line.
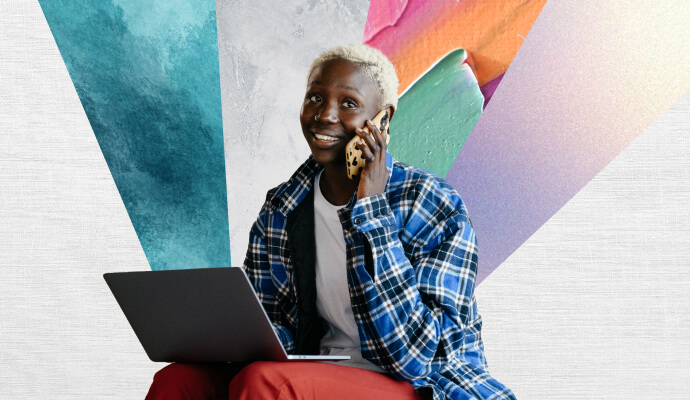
339 99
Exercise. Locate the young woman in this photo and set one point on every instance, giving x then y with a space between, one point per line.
381 267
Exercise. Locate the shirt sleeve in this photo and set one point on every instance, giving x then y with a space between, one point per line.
258 269
416 312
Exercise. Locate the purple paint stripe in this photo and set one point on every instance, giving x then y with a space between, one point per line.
555 121
489 88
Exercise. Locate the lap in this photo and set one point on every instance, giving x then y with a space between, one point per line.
275 380
312 380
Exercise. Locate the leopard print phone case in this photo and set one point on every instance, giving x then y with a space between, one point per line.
353 155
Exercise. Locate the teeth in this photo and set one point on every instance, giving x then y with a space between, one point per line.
326 138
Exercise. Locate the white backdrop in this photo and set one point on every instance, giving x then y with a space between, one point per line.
263 67
595 305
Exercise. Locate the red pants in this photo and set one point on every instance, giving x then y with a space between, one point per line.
266 380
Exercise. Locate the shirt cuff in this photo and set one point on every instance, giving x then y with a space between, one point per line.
372 212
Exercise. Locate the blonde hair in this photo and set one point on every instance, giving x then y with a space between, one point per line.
371 62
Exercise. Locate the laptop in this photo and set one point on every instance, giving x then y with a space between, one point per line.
199 315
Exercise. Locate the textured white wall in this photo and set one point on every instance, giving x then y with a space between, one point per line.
265 49
62 225
594 305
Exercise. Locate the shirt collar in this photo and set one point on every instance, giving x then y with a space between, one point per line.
291 193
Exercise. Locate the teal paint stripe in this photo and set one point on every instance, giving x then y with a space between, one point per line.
148 78
436 115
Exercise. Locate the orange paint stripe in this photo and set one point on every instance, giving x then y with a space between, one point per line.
491 31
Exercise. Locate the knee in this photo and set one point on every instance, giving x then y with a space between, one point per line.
185 381
258 380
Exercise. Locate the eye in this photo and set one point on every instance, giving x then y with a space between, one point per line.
314 98
350 104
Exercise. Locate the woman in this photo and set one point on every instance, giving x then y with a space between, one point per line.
381 267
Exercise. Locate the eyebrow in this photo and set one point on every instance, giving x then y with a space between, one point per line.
352 88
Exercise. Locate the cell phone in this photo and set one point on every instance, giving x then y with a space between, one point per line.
353 154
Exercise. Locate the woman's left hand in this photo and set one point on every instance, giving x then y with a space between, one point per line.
374 176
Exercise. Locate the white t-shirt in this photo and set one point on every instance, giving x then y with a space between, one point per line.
332 293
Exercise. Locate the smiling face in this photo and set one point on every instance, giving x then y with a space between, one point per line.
339 99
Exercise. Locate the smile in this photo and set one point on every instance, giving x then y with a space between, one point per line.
326 138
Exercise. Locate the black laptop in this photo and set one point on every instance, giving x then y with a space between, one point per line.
199 315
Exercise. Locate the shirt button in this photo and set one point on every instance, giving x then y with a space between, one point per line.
358 221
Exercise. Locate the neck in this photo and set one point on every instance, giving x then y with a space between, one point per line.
336 187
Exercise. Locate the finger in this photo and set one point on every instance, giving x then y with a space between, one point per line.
374 131
372 127
368 140
367 153
378 136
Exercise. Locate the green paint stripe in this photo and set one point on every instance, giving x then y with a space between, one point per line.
436 115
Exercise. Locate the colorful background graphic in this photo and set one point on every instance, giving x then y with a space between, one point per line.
594 304
526 157
436 115
416 33
147 77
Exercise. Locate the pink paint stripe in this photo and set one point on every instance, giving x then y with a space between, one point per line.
417 16
382 14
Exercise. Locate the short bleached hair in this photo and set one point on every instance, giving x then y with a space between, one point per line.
371 62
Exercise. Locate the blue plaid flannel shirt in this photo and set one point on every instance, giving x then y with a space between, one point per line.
417 316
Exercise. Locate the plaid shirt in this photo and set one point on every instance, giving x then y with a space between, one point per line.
417 315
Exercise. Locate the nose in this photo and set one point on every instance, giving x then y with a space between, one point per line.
328 114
